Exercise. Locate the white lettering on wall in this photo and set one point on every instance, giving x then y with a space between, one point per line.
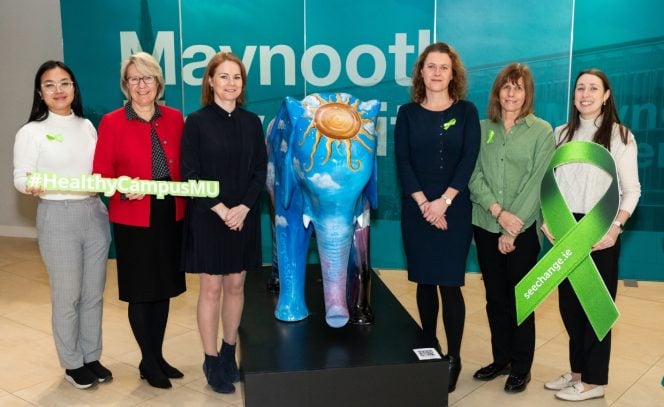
334 61
266 54
379 65
196 57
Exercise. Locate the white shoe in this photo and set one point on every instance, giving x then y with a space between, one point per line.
577 393
561 382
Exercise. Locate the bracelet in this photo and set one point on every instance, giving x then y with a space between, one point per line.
420 205
499 213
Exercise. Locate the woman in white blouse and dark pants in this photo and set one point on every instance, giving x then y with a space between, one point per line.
593 118
73 229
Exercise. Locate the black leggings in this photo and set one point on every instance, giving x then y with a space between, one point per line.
454 314
148 323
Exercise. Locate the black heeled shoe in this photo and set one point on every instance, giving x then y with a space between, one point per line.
155 378
170 371
454 370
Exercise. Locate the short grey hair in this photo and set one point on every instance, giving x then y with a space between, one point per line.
146 65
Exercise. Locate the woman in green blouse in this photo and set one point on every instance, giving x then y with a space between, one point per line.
515 152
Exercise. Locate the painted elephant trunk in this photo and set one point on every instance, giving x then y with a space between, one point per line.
334 241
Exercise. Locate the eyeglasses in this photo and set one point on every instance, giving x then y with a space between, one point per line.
135 80
52 87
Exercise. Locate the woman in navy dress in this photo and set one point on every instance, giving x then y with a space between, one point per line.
437 139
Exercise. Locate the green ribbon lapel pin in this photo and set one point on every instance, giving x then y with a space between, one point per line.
490 138
55 137
449 124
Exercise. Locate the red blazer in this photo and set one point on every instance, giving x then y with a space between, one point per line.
124 147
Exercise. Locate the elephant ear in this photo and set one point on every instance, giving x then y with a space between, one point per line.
370 192
370 109
278 143
292 110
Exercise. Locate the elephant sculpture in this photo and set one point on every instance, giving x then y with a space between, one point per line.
322 176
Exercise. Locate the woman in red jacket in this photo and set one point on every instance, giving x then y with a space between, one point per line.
142 140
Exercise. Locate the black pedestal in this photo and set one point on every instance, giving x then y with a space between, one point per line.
308 363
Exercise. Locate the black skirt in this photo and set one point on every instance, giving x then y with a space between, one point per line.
148 258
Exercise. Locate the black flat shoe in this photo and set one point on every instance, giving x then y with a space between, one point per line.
491 372
454 369
517 383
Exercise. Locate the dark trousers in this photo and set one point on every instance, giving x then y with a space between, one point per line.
510 343
588 355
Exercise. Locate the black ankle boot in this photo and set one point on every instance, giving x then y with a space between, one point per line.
454 370
215 375
228 363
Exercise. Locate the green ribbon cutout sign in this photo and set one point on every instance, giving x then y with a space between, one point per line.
570 255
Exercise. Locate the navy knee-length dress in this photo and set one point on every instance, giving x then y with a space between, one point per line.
436 150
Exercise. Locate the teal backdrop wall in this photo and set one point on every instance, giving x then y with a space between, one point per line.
293 48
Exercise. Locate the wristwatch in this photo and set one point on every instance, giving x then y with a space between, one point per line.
620 225
447 200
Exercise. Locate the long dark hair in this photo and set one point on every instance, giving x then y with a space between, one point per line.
608 115
39 110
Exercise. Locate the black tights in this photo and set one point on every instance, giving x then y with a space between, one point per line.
148 323
454 314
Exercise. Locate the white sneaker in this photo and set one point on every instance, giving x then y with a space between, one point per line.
577 393
561 382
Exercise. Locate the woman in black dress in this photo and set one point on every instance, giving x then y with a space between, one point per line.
437 141
222 242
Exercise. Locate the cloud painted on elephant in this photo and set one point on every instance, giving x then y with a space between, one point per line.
324 181
280 221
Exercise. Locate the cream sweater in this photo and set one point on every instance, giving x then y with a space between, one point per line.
64 145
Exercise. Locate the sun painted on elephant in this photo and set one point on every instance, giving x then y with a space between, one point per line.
340 122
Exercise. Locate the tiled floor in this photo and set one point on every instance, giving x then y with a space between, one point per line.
30 373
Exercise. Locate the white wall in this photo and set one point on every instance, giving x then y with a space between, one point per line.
30 33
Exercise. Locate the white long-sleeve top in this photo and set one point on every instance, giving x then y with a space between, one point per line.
583 185
64 145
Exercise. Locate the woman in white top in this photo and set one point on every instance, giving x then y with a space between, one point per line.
593 118
73 229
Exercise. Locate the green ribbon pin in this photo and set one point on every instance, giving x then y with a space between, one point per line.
570 255
449 124
55 137
490 139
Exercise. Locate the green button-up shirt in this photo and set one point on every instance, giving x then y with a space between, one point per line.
510 169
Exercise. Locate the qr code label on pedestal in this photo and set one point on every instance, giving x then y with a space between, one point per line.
426 353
